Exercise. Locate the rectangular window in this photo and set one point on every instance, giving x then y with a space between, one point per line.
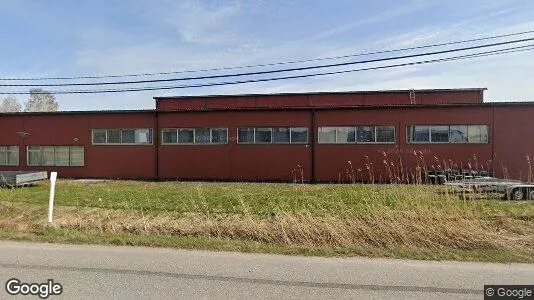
327 135
281 135
357 135
128 136
263 135
245 135
77 156
60 156
345 135
219 135
439 134
366 134
385 134
142 136
458 134
420 134
186 136
299 135
473 134
169 136
477 133
9 155
194 136
276 135
202 136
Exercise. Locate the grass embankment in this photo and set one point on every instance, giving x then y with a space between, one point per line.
372 220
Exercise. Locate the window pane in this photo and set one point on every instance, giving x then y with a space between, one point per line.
99 136
219 135
202 135
62 156
299 135
245 135
327 134
76 156
420 134
169 136
439 134
478 133
3 156
365 134
34 156
281 135
346 135
385 134
458 134
143 136
113 136
48 155
263 135
13 157
128 136
185 136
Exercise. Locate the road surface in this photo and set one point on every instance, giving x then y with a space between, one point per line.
94 272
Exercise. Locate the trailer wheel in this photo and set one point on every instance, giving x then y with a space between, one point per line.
531 195
518 194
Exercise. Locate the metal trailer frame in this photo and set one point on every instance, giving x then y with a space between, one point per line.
21 178
509 189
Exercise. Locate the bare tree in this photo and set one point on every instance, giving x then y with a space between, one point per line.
41 100
10 104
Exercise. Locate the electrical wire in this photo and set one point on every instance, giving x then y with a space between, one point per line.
453 58
274 71
271 64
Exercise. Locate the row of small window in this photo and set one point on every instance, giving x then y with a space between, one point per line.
60 156
357 134
194 136
272 135
473 134
296 135
248 135
141 136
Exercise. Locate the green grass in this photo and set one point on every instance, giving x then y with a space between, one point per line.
403 221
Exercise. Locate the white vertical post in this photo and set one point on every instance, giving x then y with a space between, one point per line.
53 177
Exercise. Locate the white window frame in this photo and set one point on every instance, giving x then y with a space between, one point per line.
409 129
6 152
272 136
356 142
41 151
194 129
150 132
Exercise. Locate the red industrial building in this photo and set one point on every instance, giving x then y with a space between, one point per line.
323 137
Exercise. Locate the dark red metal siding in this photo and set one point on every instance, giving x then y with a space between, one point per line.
195 161
514 142
271 162
67 130
399 160
321 99
233 161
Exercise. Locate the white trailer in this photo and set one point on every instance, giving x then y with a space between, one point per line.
21 178
508 189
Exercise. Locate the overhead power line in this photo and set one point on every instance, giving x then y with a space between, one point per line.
272 64
274 71
453 58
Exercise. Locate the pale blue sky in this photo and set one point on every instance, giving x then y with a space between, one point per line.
66 38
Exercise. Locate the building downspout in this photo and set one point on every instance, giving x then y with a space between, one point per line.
155 136
312 145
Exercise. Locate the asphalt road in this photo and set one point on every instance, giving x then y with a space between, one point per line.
95 272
